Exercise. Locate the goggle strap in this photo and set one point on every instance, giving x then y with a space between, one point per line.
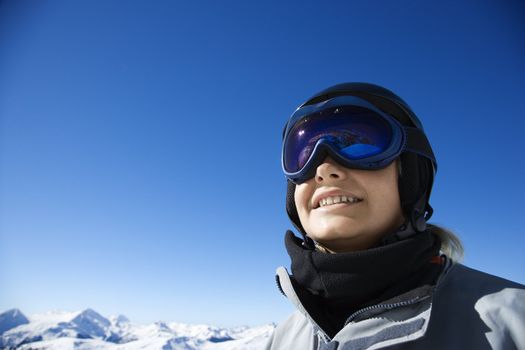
418 143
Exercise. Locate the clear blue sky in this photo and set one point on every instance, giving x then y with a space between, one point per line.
140 141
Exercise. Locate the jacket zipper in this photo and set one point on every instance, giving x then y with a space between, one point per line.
412 301
385 307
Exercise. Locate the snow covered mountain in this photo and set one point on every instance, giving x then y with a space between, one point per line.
11 319
88 329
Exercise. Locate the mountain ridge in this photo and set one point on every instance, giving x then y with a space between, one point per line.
87 329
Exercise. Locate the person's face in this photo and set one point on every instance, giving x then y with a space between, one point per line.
337 222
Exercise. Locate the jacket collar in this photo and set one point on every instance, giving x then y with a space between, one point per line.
397 320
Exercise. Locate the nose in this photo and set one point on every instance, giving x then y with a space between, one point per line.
329 170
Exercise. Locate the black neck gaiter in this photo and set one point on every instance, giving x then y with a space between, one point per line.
332 286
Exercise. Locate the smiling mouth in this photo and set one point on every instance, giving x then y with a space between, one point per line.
337 200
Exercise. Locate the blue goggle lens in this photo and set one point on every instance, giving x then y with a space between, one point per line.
355 132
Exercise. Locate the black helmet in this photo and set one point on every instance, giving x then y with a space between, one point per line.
417 172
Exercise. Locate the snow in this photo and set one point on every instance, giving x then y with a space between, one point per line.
87 329
11 319
54 316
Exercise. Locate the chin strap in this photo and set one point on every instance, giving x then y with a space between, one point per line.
404 231
416 223
420 214
308 243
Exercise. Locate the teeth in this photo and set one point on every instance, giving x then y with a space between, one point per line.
337 199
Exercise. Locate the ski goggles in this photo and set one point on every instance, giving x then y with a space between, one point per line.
352 131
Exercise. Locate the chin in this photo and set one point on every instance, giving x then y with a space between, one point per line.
333 235
338 238
338 228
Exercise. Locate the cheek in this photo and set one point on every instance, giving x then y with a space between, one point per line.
300 198
388 202
384 193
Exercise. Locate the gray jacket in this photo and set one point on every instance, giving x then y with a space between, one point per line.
467 309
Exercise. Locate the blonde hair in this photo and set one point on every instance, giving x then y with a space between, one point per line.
451 245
